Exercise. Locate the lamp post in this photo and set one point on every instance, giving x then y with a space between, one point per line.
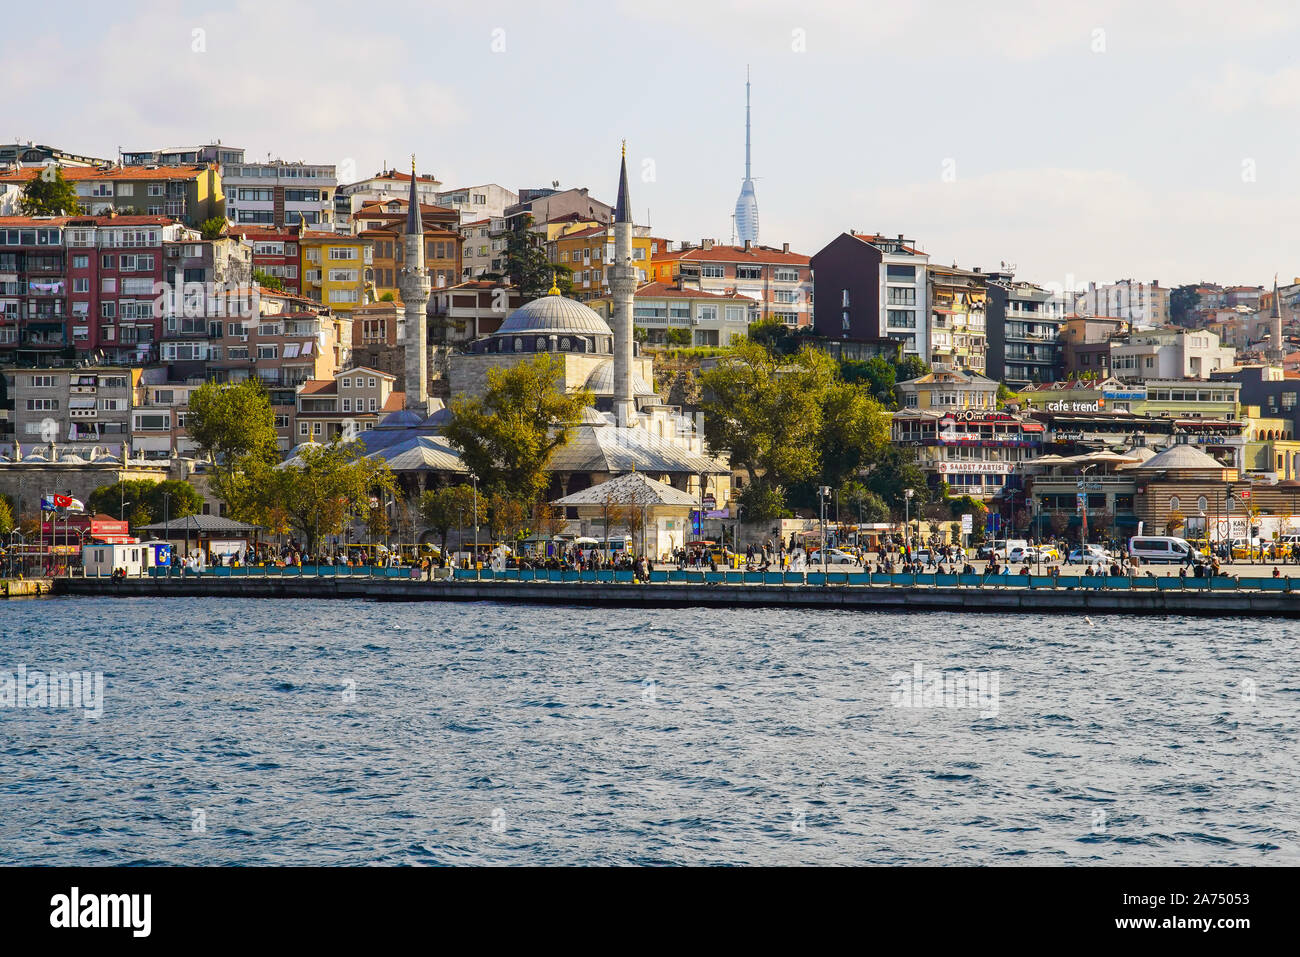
167 532
823 493
476 568
907 521
1083 487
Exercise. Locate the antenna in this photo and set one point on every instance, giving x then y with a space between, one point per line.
747 176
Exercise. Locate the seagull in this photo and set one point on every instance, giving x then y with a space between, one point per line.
1088 620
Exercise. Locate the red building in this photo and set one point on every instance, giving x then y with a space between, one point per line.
275 252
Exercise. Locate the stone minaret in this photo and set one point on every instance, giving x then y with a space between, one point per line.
622 284
1275 349
414 286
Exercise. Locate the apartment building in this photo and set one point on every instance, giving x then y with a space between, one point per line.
471 310
483 248
1085 345
33 291
1023 325
441 256
209 282
275 253
1170 353
334 268
348 403
779 282
217 154
277 194
872 287
191 194
473 203
84 410
38 155
386 185
678 314
548 204
1141 303
588 250
958 333
158 418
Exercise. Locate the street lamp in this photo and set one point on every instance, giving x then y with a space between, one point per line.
476 568
823 493
907 521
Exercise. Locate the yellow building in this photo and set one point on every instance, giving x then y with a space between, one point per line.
588 252
334 268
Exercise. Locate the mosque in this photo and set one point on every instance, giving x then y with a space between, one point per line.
629 429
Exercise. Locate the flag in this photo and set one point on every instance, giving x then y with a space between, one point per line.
47 503
75 505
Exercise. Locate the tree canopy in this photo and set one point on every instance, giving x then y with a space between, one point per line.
508 436
332 487
235 425
449 507
140 501
526 264
49 194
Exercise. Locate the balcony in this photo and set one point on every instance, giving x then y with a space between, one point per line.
39 340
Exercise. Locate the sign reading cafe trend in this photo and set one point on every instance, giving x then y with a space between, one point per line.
1074 406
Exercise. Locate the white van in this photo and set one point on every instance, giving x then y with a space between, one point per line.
1159 548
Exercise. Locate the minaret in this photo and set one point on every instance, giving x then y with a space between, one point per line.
1275 352
747 204
622 284
414 285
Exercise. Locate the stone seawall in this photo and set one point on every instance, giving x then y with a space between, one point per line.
847 597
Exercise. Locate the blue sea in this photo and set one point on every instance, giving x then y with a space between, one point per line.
246 732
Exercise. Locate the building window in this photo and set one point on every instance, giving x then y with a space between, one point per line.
1174 502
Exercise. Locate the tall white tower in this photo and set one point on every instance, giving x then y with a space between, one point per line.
414 285
747 204
622 276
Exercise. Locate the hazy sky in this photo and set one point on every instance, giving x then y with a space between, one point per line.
1093 140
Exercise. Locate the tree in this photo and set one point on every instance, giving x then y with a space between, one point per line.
527 266
49 194
267 280
911 367
212 228
508 436
869 506
855 428
892 473
235 426
1005 394
1174 521
332 487
774 336
6 516
507 517
446 508
548 520
877 373
144 500
616 515
678 337
766 410
1182 300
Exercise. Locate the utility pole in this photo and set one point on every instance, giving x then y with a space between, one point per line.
907 521
823 494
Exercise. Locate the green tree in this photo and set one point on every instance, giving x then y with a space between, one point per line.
49 194
878 374
892 473
855 428
235 426
866 504
507 517
508 436
331 487
144 500
449 507
212 228
527 266
6 516
267 280
678 337
1006 394
774 336
1182 300
767 411
911 367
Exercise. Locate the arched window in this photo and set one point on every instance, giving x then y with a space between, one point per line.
1202 503
519 345
564 344
541 343
1174 503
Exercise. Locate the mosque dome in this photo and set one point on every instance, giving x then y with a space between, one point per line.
601 381
554 315
401 419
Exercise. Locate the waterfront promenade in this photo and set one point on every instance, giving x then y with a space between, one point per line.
1035 594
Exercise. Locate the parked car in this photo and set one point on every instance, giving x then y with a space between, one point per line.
1043 553
1162 548
1089 555
834 556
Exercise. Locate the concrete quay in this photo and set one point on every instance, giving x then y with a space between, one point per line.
999 599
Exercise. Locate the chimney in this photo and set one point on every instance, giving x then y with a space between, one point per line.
748 245
785 247
706 244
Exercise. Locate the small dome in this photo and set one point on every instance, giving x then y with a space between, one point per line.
554 315
436 419
400 419
601 381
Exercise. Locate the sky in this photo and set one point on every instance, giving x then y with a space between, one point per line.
1076 140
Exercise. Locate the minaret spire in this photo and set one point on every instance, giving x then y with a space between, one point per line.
413 282
622 277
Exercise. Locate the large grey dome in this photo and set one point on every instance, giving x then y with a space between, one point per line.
557 315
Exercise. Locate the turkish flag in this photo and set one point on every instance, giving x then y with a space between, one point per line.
62 501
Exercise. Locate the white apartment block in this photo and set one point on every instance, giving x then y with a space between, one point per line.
1142 303
478 202
280 194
